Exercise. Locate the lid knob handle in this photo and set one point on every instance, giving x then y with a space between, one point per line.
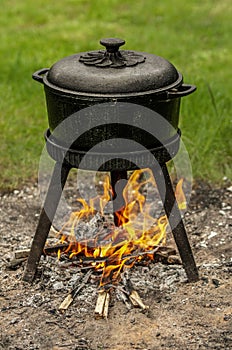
112 57
112 44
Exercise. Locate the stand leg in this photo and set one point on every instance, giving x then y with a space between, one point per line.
59 177
167 195
118 201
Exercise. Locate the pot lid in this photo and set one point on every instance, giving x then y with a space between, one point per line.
114 71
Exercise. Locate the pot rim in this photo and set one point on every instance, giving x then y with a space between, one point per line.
161 92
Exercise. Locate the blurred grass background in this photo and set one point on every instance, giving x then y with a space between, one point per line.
194 35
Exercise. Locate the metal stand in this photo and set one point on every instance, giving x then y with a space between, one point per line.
68 158
59 177
118 202
167 195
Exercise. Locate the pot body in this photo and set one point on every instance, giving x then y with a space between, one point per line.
81 122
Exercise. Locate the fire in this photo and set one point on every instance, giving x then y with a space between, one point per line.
137 238
180 197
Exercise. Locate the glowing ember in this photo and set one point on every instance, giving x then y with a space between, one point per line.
138 237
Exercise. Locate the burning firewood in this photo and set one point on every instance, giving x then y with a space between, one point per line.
73 293
102 305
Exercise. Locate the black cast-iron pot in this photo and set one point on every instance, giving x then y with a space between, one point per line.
82 81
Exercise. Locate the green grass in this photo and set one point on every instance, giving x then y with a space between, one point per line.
194 35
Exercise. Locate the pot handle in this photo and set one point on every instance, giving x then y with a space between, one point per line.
38 74
181 91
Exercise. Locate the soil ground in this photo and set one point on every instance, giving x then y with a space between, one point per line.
181 315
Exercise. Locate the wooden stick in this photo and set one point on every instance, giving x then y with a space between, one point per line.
54 249
174 260
167 258
106 306
127 282
124 297
167 249
19 254
133 294
24 253
102 305
66 302
137 301
12 265
73 293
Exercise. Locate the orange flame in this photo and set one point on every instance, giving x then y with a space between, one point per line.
180 196
137 237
